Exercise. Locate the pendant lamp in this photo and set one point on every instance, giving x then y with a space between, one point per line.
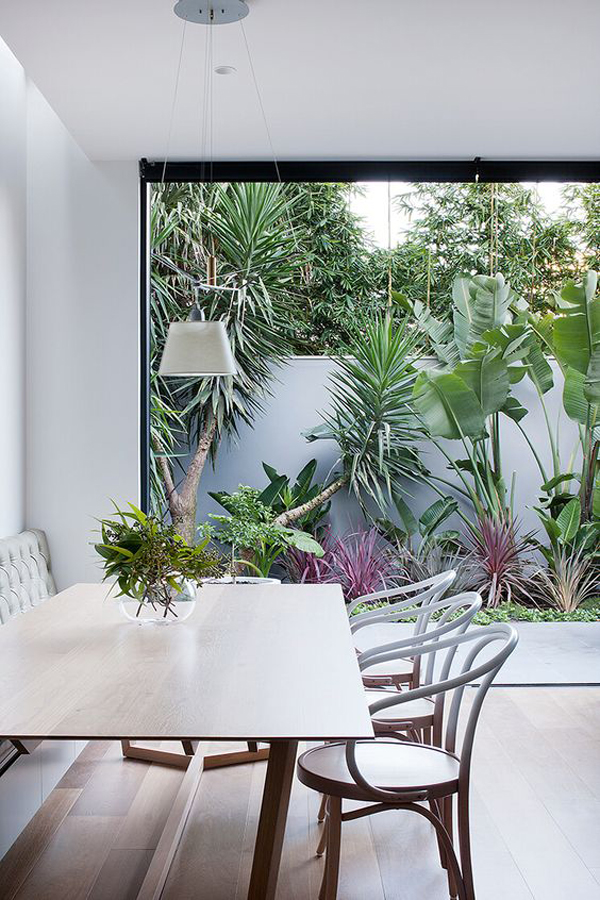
197 347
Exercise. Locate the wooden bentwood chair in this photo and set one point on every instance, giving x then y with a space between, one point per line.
396 773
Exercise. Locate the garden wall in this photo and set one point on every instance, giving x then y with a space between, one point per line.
299 394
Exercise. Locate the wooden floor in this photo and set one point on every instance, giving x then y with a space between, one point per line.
536 822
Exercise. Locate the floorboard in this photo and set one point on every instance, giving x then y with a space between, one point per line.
535 811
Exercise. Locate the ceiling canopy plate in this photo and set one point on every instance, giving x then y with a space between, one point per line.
211 12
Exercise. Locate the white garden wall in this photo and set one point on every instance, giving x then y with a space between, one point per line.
299 394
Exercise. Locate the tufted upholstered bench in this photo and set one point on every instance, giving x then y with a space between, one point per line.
25 576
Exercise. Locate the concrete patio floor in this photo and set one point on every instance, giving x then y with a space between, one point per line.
547 653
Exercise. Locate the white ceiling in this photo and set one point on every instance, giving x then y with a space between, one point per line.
339 78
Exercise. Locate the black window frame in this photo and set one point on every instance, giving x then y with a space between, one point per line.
457 171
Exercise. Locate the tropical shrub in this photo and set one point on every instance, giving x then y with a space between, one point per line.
570 579
251 529
496 565
572 518
482 352
282 496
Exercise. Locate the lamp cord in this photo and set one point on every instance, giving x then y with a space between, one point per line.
267 129
174 103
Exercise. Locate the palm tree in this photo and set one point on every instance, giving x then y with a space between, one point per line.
371 419
247 227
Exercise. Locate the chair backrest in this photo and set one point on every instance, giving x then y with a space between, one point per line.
455 615
415 602
25 575
457 672
415 596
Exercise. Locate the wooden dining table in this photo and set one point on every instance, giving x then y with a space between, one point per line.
268 664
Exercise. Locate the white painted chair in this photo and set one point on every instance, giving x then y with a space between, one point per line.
391 774
380 626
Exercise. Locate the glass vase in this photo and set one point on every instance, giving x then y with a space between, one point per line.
163 606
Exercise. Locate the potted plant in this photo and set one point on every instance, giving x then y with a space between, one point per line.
156 571
256 539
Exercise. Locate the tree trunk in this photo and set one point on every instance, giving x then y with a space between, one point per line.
183 502
292 515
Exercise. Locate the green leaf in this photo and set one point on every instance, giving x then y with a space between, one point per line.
435 514
596 499
513 409
302 541
224 500
574 400
591 386
402 301
539 369
273 490
569 519
270 472
577 326
462 314
487 376
448 406
558 479
305 476
405 513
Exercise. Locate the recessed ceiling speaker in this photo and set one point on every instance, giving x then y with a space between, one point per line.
211 12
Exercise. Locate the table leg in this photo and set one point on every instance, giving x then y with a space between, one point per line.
273 816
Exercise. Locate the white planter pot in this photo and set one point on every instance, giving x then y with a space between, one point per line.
242 579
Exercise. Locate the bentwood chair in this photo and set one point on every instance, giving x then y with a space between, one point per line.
415 720
416 600
391 774
416 717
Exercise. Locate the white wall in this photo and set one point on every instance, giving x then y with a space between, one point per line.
82 340
69 372
12 293
69 381
299 394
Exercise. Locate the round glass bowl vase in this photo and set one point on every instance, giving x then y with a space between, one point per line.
155 611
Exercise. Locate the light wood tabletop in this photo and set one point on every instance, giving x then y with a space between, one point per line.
269 663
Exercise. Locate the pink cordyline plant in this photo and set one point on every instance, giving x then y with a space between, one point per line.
360 561
496 564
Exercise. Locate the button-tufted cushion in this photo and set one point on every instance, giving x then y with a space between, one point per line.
25 576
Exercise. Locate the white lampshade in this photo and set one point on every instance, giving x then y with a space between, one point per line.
197 349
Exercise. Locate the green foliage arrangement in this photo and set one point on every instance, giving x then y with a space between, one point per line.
251 528
148 559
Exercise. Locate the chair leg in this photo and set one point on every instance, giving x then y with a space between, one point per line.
322 808
321 846
332 858
464 841
252 746
455 881
448 822
435 808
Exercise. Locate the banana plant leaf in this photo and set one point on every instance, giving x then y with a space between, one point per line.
577 332
569 520
487 376
448 406
575 402
513 409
